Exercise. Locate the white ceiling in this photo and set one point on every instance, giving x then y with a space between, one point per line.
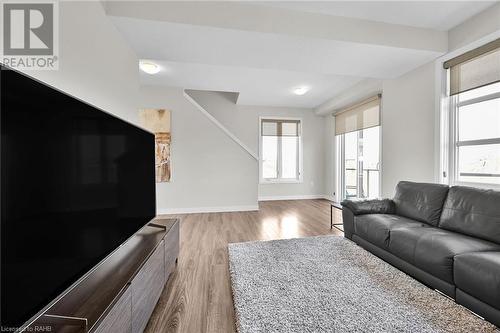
242 49
437 15
265 50
275 91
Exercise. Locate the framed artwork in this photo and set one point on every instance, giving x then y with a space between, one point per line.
158 122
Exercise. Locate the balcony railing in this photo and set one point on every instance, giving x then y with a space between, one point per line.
354 187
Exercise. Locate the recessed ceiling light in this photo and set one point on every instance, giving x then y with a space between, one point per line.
149 67
300 90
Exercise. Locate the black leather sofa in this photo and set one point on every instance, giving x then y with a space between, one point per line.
446 237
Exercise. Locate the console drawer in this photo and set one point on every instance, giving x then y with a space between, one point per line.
119 319
171 249
146 288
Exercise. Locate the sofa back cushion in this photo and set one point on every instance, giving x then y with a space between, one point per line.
472 211
420 201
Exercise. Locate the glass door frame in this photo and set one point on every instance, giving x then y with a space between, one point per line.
340 165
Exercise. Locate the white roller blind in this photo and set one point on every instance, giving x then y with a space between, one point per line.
357 117
475 68
280 127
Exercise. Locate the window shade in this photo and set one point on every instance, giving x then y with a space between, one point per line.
279 127
474 69
357 117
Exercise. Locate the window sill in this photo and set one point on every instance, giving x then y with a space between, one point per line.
478 185
280 181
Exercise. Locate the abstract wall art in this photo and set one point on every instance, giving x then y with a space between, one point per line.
158 122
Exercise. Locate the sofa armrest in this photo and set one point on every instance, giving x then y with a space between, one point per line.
352 208
348 223
362 207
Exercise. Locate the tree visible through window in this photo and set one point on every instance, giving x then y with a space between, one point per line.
280 150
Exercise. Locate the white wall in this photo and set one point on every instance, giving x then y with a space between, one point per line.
329 173
243 122
95 63
408 116
476 27
408 124
210 172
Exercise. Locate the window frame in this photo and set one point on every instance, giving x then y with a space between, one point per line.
454 143
340 164
443 122
279 180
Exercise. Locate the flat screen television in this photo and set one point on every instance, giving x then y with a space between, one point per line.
76 182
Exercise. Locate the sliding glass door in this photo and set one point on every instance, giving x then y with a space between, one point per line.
357 133
359 157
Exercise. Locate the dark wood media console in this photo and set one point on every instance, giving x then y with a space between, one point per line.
120 294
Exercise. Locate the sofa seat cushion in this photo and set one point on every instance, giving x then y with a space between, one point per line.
375 228
404 241
432 249
478 274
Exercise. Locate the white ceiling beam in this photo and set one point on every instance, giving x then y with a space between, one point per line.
359 92
253 18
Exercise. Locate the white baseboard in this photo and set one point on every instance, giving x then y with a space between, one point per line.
192 210
329 197
293 197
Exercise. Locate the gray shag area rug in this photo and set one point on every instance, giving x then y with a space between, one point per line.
329 284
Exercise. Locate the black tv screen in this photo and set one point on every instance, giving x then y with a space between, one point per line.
76 182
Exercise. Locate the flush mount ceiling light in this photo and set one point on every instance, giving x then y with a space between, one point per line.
149 67
300 90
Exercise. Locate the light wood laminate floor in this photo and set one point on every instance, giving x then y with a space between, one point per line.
197 297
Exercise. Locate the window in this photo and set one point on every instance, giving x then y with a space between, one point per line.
473 149
357 132
280 150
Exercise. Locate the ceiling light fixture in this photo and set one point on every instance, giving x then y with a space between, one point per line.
300 90
149 67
